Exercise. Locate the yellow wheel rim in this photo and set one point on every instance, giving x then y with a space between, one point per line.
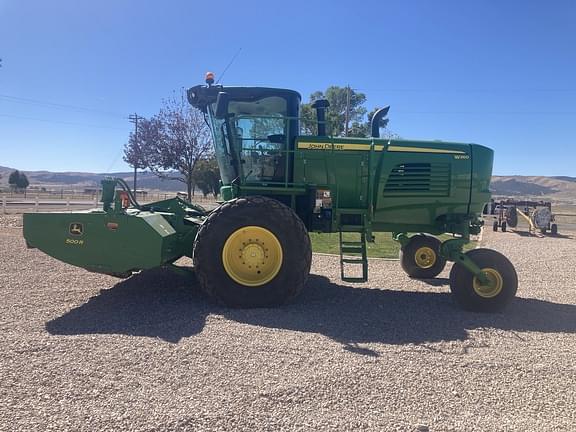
252 256
425 257
493 287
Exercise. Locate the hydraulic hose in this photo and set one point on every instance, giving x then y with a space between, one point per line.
131 196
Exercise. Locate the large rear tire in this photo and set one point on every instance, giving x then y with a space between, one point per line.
472 295
421 258
512 217
252 252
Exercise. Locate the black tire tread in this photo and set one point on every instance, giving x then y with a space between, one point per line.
407 253
226 212
461 282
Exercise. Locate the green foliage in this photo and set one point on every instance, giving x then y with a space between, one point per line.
358 121
18 180
338 99
207 176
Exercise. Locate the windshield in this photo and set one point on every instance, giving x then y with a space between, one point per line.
258 131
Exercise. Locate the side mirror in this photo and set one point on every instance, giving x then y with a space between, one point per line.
222 102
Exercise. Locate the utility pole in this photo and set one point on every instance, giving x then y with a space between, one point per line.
134 119
347 110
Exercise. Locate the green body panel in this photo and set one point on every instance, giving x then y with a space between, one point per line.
398 185
117 241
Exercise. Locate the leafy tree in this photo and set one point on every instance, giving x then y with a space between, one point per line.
207 176
18 180
336 114
171 143
23 182
13 179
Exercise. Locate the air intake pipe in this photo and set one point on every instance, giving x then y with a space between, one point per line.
320 106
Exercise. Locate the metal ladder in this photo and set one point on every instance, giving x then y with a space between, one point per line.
353 252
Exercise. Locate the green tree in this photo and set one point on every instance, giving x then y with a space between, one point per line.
339 98
207 177
18 180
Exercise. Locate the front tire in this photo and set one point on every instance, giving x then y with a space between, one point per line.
421 258
252 252
472 295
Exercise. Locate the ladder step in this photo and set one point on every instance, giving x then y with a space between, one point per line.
352 210
354 250
354 279
352 260
352 228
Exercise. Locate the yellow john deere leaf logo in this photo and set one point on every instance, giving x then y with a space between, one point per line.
76 229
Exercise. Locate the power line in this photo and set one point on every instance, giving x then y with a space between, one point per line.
469 90
488 112
60 122
37 102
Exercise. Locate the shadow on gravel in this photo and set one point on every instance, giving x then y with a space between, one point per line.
154 303
436 281
158 303
527 234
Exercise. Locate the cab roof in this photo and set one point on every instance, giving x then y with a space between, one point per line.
201 96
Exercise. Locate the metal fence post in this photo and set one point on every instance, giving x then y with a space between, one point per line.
4 204
68 204
36 204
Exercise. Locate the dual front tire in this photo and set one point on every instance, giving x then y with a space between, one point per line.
420 258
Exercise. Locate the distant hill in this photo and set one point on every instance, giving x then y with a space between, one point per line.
80 180
560 189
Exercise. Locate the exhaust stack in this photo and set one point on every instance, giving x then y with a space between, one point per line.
320 106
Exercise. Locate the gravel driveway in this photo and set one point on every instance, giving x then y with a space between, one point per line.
80 351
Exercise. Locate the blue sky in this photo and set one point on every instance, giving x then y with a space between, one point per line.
499 73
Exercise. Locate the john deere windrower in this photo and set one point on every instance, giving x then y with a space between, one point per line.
277 185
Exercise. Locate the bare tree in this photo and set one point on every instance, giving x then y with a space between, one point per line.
171 143
133 152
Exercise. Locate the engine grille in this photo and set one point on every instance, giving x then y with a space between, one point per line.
424 179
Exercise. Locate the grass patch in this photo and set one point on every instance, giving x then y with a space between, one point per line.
383 246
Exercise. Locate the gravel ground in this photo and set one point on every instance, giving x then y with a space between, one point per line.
80 351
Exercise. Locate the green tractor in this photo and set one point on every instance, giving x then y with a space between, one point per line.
253 250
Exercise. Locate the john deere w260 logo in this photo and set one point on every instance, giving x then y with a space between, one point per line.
76 229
